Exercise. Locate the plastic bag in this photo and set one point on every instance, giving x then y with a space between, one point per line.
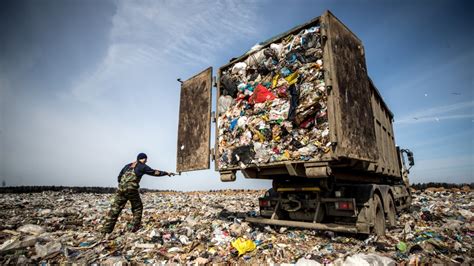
279 111
261 95
15 243
255 58
262 153
224 103
233 124
243 245
239 68
242 122
277 48
307 262
31 229
219 237
368 259
229 86
402 246
275 80
48 249
292 78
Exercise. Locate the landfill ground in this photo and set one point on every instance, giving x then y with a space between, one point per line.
202 227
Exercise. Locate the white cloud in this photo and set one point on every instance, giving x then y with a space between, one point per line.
166 33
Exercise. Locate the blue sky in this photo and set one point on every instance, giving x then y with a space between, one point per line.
86 85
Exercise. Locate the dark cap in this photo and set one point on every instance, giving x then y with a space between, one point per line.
141 156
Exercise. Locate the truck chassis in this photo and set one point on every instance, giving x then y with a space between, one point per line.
351 208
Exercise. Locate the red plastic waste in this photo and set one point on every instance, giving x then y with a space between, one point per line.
261 95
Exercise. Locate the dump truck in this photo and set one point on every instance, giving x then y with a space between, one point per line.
335 166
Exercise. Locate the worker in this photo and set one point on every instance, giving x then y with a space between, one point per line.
129 179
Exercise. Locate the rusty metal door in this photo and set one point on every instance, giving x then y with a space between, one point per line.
194 128
353 115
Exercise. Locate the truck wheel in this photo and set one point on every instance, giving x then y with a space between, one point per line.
391 212
321 215
379 217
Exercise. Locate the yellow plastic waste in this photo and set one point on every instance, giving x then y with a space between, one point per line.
292 79
285 155
275 80
212 251
260 136
317 144
243 245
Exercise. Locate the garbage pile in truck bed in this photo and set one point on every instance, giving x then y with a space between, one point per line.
272 105
208 227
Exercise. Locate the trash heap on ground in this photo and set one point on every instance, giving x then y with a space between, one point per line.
273 104
209 227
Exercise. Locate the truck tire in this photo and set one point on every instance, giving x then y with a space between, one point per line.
321 215
391 212
379 216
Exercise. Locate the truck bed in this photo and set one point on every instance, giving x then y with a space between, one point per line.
361 130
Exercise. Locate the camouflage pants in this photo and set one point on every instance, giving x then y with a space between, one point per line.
119 201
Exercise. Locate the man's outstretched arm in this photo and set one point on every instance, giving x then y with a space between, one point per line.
150 171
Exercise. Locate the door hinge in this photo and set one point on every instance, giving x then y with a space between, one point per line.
214 81
213 156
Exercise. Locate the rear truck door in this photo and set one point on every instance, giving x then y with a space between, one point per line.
194 129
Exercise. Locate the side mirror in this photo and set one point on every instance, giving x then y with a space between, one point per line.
409 155
411 159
